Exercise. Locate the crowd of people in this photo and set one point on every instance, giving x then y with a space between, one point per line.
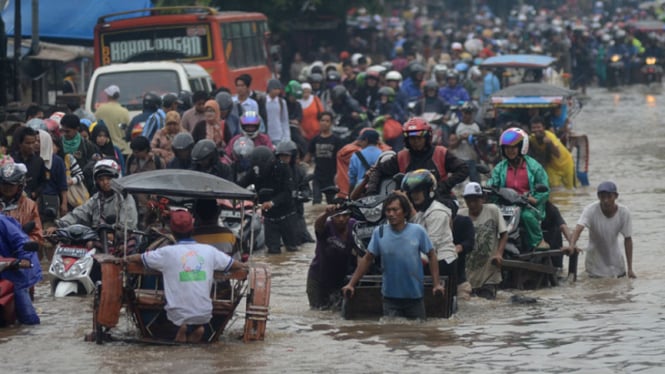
357 123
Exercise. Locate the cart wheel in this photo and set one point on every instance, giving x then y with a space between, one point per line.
258 299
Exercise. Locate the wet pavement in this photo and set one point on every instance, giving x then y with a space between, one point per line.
590 326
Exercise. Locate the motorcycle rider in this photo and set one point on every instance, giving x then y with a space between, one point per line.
522 173
241 156
230 119
411 85
420 153
15 203
453 93
275 185
249 127
206 158
367 93
431 102
394 80
103 204
150 103
436 218
182 149
26 273
346 108
460 144
286 153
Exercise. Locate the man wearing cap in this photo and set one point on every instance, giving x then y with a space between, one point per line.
188 270
365 158
605 220
482 264
113 114
333 258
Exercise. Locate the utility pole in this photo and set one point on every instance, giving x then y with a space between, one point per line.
17 50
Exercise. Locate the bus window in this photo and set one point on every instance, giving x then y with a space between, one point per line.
243 43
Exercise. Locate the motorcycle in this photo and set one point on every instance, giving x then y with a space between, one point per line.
651 72
247 227
615 71
73 267
7 305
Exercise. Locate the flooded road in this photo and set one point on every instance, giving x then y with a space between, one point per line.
591 326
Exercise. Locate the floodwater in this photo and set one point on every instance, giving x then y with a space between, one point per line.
590 326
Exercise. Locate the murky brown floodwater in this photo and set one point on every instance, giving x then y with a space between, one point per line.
592 326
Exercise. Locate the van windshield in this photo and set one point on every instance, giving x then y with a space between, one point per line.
133 85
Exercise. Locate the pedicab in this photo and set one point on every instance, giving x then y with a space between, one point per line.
525 68
139 291
514 103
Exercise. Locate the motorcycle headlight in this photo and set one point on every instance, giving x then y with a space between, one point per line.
651 60
615 58
372 214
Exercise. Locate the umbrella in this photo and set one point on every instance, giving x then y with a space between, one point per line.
519 61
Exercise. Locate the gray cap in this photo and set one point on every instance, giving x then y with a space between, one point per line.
607 186
274 83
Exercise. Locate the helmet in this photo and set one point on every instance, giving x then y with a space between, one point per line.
203 149
451 74
137 130
474 72
468 107
419 180
169 99
415 69
242 148
515 136
385 156
394 76
293 88
462 67
182 141
315 78
249 123
36 124
431 85
57 116
387 91
417 126
151 101
263 160
388 65
13 173
333 76
338 93
106 167
372 74
185 98
224 100
286 148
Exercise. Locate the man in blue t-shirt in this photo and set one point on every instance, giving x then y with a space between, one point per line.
399 244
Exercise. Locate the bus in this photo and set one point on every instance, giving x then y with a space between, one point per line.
226 44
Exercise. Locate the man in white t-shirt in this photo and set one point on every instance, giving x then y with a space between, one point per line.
605 220
188 270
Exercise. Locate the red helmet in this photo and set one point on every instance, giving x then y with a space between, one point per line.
417 126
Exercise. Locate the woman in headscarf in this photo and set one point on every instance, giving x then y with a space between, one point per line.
101 137
161 142
311 108
54 194
212 127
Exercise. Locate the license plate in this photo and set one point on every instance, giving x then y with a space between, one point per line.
507 210
230 214
71 251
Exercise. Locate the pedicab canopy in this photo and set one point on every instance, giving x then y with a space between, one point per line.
519 61
531 95
187 183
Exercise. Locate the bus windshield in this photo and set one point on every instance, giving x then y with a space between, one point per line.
133 85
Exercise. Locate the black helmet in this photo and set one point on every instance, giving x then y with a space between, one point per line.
286 148
203 149
169 99
415 69
431 85
263 160
419 180
333 76
182 141
13 173
224 100
151 101
315 78
185 98
338 93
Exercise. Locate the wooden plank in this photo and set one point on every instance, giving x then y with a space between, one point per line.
524 265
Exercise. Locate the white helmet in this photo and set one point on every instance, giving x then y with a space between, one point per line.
394 75
106 167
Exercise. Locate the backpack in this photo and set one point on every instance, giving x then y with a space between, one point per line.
439 159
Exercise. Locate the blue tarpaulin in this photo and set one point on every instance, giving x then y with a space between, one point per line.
67 19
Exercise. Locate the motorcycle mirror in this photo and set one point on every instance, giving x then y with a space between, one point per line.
31 246
265 194
483 169
398 179
28 227
542 188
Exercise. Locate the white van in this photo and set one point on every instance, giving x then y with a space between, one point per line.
137 78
